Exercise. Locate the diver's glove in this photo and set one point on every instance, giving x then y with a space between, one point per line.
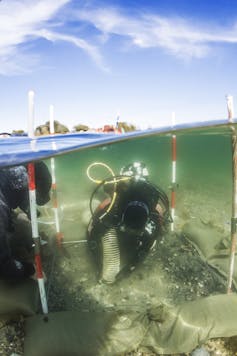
14 269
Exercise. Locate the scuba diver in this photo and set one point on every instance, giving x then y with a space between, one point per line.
125 225
14 194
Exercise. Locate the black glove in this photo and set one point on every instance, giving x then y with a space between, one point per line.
13 269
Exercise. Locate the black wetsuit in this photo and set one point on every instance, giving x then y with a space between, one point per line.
134 243
14 194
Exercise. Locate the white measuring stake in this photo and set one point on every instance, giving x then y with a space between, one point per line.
35 235
33 208
230 109
173 181
59 234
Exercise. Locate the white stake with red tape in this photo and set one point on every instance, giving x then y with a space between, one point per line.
33 211
173 180
59 234
230 110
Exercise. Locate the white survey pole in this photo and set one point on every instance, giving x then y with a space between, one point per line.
33 209
31 113
51 119
117 120
59 234
35 236
173 179
230 108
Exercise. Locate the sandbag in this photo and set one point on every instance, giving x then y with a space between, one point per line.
162 329
212 246
183 328
18 298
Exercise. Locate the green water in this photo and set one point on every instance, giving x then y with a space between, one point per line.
174 271
204 161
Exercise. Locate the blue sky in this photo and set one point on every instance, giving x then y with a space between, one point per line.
95 60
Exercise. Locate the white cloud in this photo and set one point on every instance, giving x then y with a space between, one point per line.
79 42
22 21
175 35
16 62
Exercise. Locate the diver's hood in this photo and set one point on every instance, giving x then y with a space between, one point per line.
14 185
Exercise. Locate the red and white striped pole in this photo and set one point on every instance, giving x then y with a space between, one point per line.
230 109
35 235
173 180
33 212
59 234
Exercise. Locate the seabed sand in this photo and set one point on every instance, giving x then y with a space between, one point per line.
172 272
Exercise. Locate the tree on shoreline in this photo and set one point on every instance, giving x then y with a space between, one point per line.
62 129
45 129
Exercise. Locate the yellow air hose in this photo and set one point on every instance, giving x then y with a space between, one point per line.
113 181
